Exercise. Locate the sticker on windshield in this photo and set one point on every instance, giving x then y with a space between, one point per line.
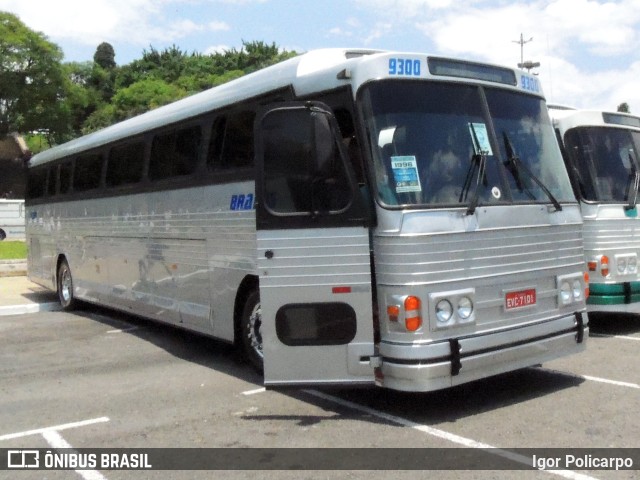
405 174
480 138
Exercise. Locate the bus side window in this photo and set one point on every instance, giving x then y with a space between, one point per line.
37 183
215 143
175 153
231 144
87 173
51 180
125 164
66 171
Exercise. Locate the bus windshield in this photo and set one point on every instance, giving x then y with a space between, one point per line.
605 161
441 144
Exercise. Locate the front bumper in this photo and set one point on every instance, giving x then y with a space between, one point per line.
443 364
618 297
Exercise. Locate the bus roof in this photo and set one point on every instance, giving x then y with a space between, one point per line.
304 73
567 119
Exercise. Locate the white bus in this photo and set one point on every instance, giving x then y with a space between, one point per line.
601 153
346 216
12 224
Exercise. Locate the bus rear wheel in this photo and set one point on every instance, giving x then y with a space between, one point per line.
65 286
252 331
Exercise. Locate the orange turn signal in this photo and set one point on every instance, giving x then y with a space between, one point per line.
412 317
604 265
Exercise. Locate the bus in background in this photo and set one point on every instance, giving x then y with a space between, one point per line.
347 217
601 153
12 223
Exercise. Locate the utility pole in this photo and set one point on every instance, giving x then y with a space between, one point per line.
528 64
522 41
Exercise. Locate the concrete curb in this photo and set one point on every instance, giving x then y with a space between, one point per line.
29 308
13 268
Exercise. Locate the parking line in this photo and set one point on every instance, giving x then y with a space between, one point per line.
253 392
451 437
621 337
65 426
593 379
55 440
122 330
611 382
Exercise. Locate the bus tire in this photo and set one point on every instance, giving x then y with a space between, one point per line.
251 331
65 287
2 235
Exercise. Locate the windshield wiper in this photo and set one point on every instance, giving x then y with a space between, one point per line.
479 160
634 183
515 166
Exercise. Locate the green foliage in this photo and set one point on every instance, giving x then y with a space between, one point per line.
31 80
63 101
624 107
161 77
37 142
133 100
105 56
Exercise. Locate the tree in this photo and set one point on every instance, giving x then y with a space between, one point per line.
136 99
105 56
31 80
624 107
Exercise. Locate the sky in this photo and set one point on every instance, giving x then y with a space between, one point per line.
589 50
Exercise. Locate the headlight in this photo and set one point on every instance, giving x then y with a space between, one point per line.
444 310
622 265
632 265
465 308
565 293
577 290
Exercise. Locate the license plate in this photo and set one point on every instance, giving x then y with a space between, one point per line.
521 298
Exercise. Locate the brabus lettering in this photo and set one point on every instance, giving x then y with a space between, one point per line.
242 202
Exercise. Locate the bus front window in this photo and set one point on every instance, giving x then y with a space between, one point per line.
605 161
439 144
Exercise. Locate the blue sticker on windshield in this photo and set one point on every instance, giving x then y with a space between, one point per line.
405 174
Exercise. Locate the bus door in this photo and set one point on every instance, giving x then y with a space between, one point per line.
313 252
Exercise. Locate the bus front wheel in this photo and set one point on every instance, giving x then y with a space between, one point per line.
252 331
65 286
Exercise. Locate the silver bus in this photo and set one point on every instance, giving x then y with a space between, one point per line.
346 217
601 153
12 224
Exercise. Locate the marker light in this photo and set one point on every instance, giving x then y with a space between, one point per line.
586 285
592 265
412 317
393 312
444 311
604 266
465 308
